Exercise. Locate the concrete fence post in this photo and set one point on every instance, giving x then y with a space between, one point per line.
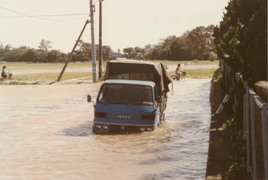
265 139
253 146
247 128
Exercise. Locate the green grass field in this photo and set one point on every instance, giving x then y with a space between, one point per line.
53 76
24 65
194 62
49 77
198 73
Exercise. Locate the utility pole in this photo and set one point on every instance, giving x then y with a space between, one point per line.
100 40
71 55
92 9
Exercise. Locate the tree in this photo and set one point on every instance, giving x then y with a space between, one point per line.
44 45
83 52
2 50
106 51
199 42
147 51
241 38
55 56
195 44
130 52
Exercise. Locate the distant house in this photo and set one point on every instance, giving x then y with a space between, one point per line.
115 55
139 56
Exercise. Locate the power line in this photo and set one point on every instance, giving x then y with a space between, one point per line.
19 13
12 11
43 17
49 15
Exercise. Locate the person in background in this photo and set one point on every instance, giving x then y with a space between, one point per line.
4 74
178 71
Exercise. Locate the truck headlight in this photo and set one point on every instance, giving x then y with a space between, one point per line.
98 126
142 129
105 126
149 129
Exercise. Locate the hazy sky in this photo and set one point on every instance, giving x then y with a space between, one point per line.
126 23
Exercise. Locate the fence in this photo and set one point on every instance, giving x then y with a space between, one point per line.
256 132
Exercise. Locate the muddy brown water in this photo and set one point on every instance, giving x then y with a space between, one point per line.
46 133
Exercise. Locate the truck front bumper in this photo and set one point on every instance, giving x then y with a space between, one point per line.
104 127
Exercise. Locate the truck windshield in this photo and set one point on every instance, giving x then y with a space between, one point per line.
126 94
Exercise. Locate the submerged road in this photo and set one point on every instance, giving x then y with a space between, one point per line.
46 133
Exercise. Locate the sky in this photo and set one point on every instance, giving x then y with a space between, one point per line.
125 23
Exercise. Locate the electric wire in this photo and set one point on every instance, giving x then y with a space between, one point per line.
42 17
49 15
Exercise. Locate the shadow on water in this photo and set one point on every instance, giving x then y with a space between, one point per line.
81 130
86 130
174 174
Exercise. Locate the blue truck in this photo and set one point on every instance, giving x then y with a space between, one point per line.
132 98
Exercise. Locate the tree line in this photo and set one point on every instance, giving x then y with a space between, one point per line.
45 54
195 44
241 39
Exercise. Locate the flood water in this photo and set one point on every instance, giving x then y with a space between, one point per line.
46 133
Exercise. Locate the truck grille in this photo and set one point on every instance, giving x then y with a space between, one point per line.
123 128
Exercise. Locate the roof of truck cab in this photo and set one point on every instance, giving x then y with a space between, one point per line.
127 81
132 61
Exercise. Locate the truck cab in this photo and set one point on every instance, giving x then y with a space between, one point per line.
126 105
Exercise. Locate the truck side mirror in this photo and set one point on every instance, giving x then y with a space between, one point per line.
89 99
